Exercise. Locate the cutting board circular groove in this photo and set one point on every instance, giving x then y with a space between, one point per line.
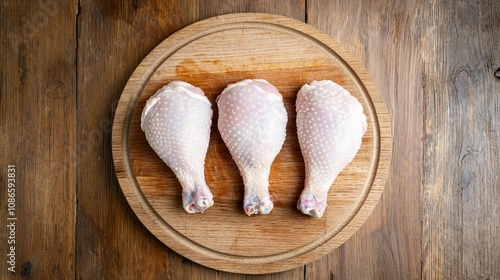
211 54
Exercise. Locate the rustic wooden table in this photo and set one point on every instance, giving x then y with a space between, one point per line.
64 65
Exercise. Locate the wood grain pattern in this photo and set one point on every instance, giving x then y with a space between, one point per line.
37 135
461 185
211 54
113 35
433 61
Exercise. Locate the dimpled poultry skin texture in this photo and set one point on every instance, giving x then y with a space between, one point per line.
176 121
252 123
330 127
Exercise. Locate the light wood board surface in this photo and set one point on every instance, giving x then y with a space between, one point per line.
212 54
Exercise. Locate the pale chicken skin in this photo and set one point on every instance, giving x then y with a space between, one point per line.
252 123
176 121
330 127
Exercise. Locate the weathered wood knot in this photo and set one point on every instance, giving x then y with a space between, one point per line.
497 73
26 272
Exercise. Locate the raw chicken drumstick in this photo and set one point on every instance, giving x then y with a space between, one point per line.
252 123
330 125
176 121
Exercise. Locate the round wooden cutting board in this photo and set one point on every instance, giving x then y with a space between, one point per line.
211 54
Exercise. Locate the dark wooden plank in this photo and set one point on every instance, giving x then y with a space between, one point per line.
461 217
297 273
293 9
385 36
37 135
114 36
